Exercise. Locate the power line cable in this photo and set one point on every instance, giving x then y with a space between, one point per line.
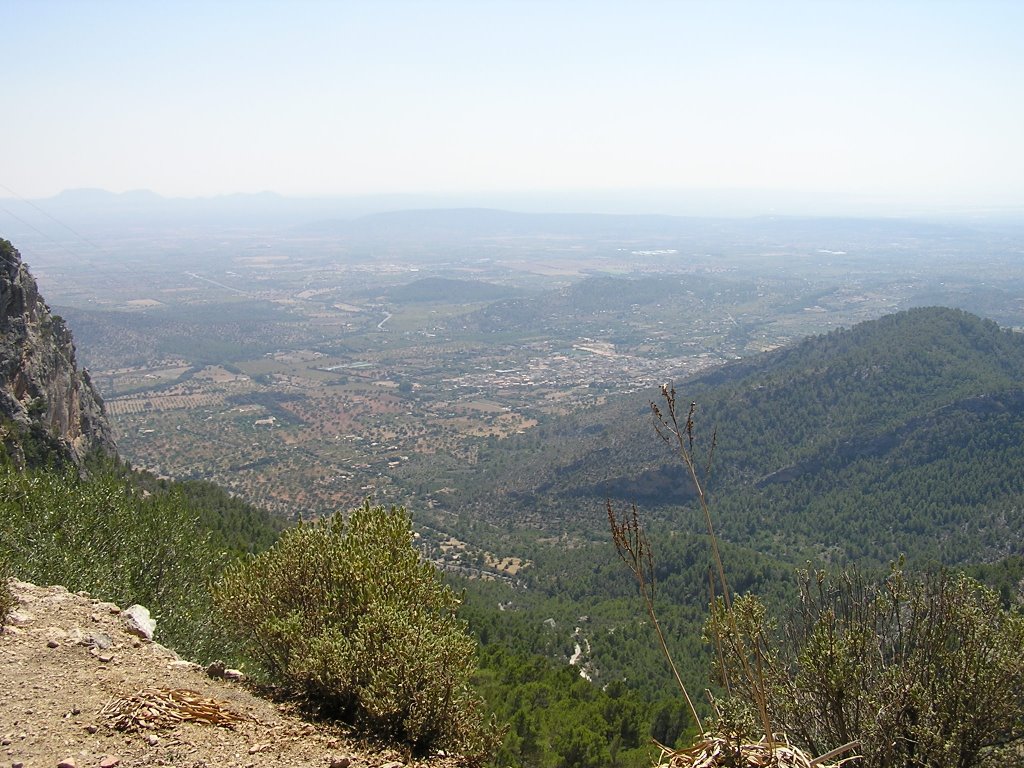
52 218
122 273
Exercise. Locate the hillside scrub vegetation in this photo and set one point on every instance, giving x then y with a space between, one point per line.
343 612
162 546
100 535
923 671
347 614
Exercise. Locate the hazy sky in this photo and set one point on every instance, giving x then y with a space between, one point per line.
917 103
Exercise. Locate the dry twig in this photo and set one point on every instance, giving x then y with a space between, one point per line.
718 752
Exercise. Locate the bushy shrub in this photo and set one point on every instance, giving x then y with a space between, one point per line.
924 672
348 614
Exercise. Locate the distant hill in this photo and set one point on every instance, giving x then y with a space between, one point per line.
466 223
586 306
414 220
462 224
898 435
443 289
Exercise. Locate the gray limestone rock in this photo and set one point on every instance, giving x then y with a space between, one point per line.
43 393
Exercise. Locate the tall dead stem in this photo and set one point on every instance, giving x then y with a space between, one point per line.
680 438
634 549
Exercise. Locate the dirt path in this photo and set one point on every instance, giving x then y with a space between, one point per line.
64 657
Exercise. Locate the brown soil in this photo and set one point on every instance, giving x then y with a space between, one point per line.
56 680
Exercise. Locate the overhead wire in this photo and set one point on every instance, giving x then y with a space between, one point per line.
122 274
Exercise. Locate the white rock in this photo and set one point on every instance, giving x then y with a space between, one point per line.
138 621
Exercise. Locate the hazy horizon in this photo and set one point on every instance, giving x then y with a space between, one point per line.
733 108
677 203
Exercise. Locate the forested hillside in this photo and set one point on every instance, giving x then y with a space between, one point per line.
898 435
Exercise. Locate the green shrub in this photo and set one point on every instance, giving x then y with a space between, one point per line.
924 672
350 616
99 535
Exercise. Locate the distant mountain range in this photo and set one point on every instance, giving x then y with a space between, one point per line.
474 223
426 218
900 435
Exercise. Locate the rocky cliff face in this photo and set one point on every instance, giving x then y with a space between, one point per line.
44 397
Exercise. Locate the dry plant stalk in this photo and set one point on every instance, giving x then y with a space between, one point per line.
666 424
155 708
680 437
634 549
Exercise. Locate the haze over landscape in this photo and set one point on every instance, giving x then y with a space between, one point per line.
443 255
650 107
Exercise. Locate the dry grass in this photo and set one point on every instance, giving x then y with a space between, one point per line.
156 708
719 752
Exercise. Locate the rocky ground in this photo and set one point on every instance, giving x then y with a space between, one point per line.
72 676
